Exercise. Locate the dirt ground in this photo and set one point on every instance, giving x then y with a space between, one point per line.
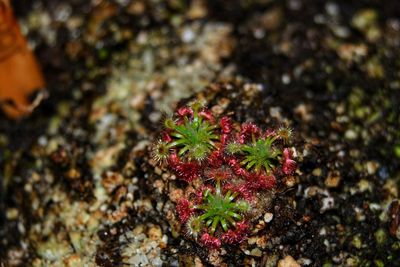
78 187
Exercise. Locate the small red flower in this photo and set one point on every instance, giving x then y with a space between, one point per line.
184 210
289 165
210 241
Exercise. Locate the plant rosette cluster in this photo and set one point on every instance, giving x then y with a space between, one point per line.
230 171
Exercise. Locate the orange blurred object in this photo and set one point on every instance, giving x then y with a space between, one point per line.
20 75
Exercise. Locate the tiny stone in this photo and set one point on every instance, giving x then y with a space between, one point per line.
158 171
304 261
327 204
256 252
312 191
322 231
286 79
155 116
364 185
333 179
262 242
260 225
357 242
303 111
340 109
268 217
350 135
176 194
12 214
290 181
317 172
113 231
372 166
252 240
360 216
73 174
332 9
197 262
155 233
159 184
42 141
73 260
288 261
138 230
275 112
380 236
188 35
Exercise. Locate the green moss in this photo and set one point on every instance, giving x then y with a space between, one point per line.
380 236
397 150
356 241
379 263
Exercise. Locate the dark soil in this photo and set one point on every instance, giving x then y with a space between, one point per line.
335 81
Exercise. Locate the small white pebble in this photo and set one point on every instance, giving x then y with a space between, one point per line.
268 217
188 36
42 140
286 79
350 134
327 204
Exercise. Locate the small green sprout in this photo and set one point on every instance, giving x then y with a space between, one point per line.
260 154
257 155
193 134
221 209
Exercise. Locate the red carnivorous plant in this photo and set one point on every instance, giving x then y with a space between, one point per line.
226 171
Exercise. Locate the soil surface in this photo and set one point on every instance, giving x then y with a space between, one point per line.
78 185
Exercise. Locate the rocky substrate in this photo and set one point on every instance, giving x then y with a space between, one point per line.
79 187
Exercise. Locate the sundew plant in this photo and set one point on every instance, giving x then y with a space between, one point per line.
225 169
